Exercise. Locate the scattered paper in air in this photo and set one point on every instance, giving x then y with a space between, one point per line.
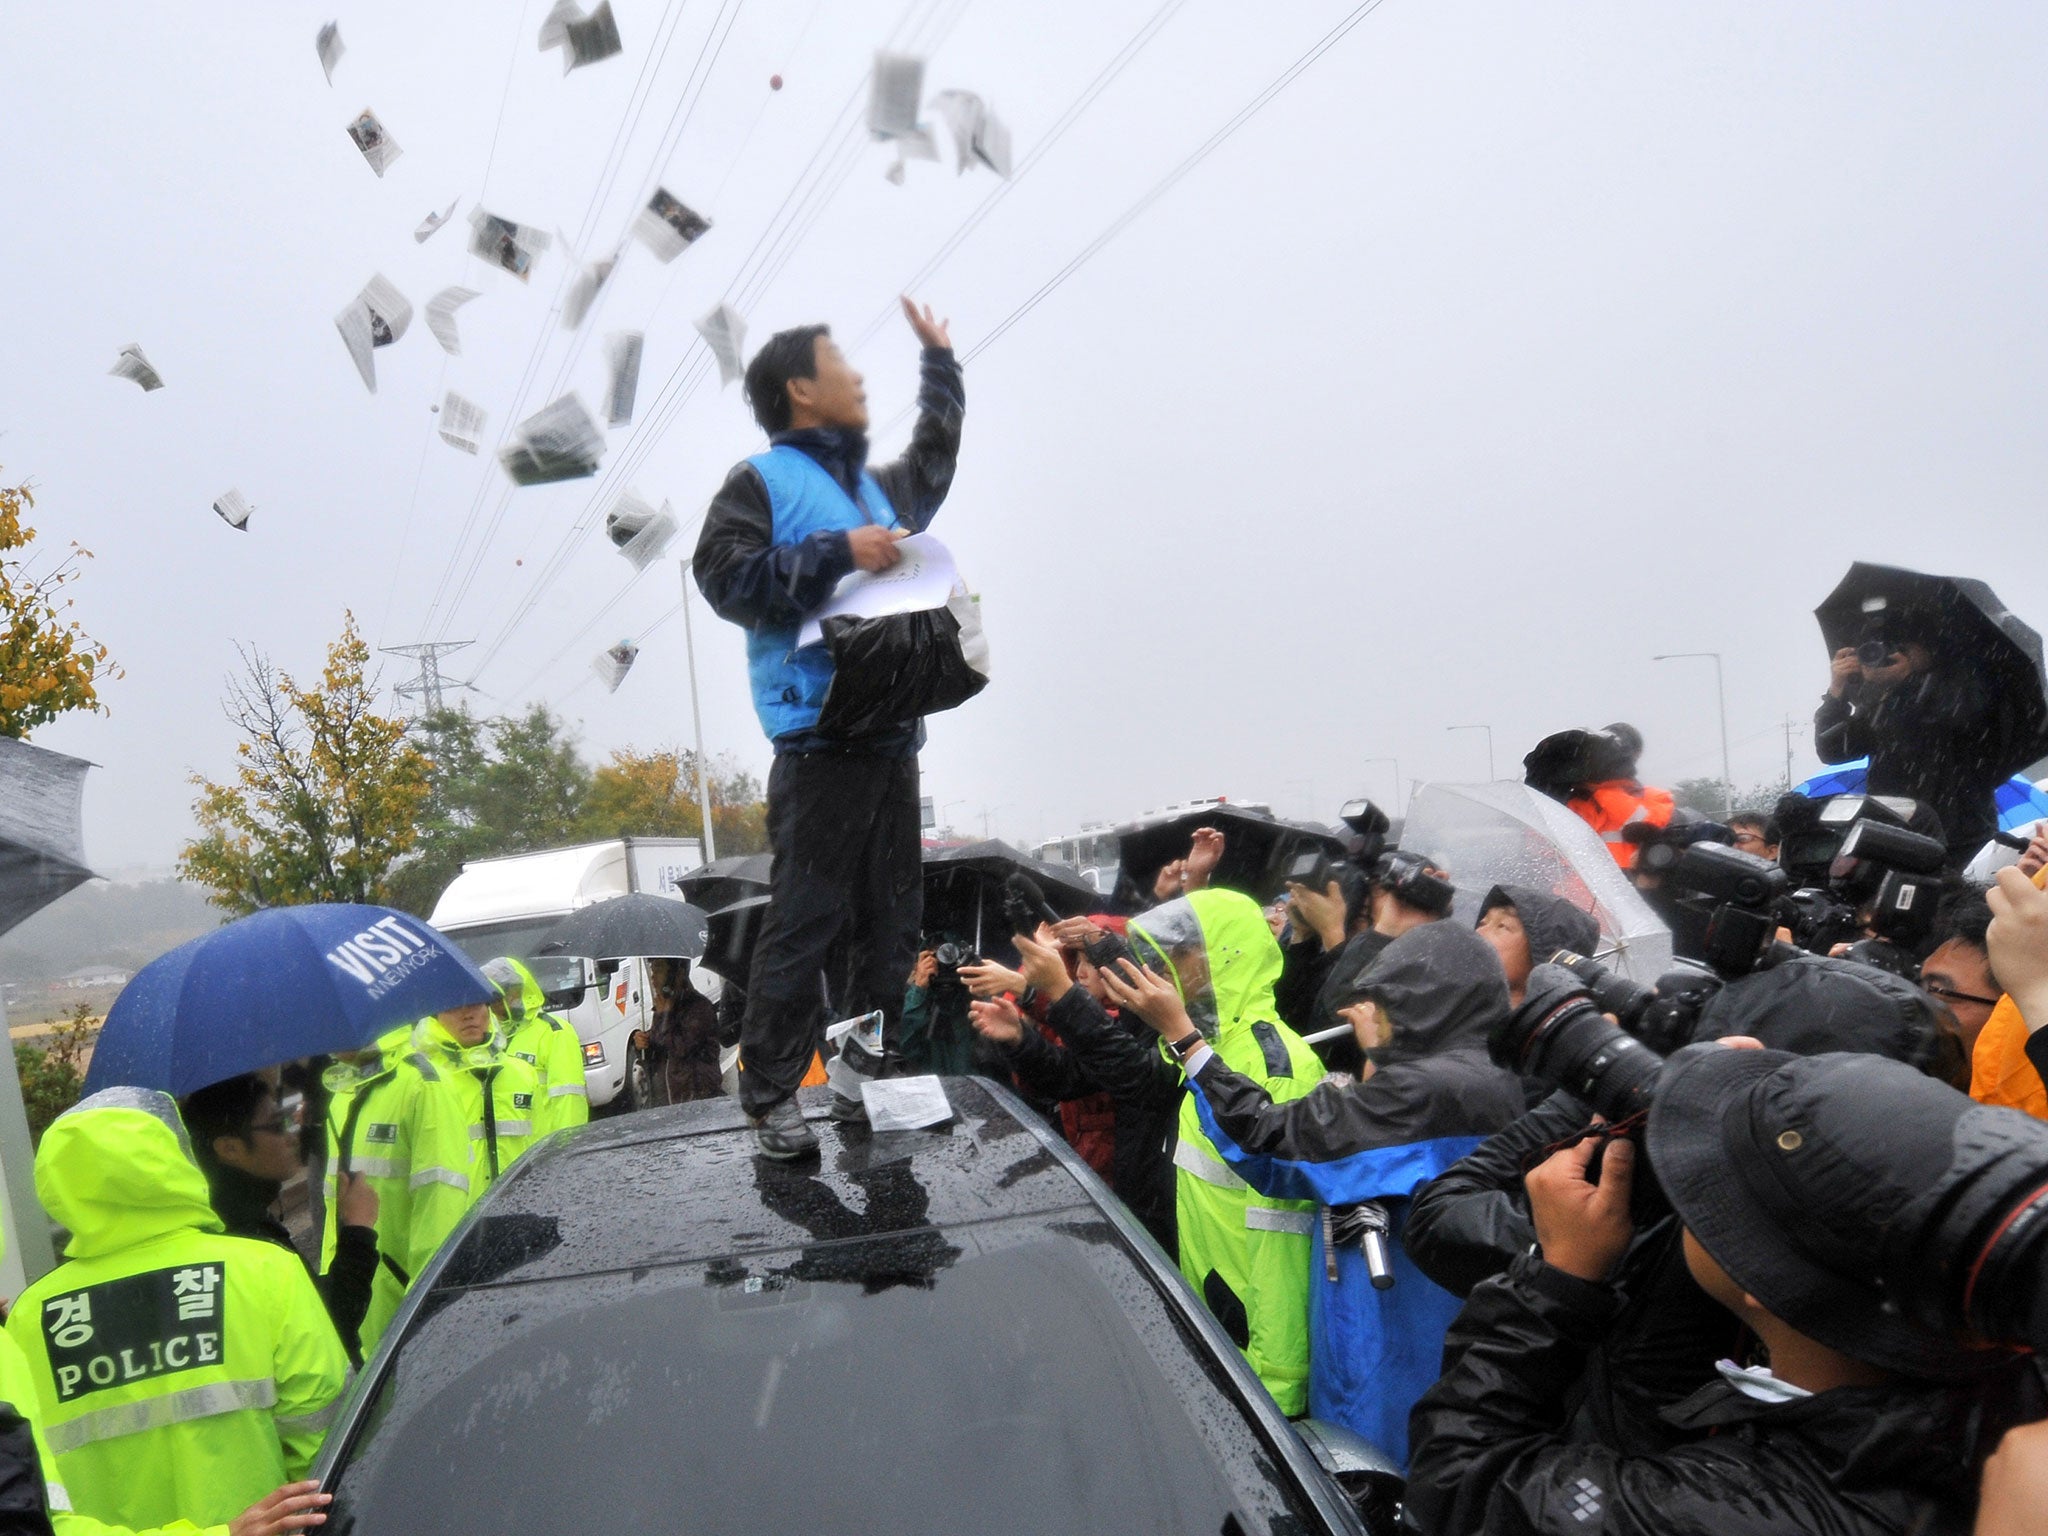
582 39
725 332
669 225
432 222
583 292
923 578
622 359
331 48
462 423
441 317
378 147
131 364
894 91
978 134
642 533
234 510
505 244
904 1103
611 666
377 317
557 442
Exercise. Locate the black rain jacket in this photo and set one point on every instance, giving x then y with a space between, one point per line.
1932 738
1488 1457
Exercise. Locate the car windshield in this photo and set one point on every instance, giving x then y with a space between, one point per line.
487 941
927 1381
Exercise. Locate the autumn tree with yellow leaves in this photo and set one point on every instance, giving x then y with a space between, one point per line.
326 794
49 666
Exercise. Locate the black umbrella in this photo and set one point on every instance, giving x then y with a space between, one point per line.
963 893
42 832
1964 624
659 927
725 881
1256 849
729 945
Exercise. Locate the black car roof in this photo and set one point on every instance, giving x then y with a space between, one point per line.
685 1184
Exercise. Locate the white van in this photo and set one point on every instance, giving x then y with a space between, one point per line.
504 906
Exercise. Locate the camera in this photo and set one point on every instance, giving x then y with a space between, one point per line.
1368 826
1663 1017
1561 1035
1722 907
1409 878
1658 849
1024 904
1310 866
1862 871
951 954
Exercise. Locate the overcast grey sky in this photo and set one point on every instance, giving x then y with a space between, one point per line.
1511 345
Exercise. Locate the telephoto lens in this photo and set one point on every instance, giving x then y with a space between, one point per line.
1560 1035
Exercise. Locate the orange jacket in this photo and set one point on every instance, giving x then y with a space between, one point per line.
1999 1070
1610 806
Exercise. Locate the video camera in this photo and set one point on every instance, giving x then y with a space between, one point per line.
1311 863
1658 849
1860 866
1410 878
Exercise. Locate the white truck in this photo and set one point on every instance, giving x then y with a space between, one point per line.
504 906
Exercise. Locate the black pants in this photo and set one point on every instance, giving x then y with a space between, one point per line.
844 831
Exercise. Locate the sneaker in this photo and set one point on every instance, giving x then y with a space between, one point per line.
782 1134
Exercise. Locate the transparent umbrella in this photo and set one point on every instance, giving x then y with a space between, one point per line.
1507 834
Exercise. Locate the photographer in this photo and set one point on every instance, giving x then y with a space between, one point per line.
1593 775
1426 1095
1926 727
1471 1223
1863 1421
1957 970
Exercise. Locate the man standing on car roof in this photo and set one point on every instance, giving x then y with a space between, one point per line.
786 526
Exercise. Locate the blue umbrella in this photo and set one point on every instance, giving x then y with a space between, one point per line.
289 982
2020 804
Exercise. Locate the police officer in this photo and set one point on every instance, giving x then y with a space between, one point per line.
180 1373
460 1111
544 1042
363 1112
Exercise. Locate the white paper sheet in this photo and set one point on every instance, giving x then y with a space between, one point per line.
582 39
669 226
234 509
611 666
330 48
432 222
375 141
132 365
924 578
894 90
377 317
905 1103
504 244
441 317
557 442
583 292
622 364
462 422
725 332
641 532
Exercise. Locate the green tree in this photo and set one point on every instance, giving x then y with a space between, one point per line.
52 1073
497 786
326 794
654 794
48 665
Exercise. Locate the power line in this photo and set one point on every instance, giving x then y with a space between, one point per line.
429 685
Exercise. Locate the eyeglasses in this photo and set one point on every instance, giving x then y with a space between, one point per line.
1950 995
287 1122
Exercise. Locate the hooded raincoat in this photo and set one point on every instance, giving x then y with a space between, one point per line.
458 1118
1246 1252
1549 922
546 1043
181 1373
1430 1098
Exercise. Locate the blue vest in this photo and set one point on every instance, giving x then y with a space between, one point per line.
789 683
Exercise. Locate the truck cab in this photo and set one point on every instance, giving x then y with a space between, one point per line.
505 906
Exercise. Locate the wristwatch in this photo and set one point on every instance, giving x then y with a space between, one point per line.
1186 1045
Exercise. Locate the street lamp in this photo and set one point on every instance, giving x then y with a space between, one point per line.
1489 742
1721 696
697 721
1397 777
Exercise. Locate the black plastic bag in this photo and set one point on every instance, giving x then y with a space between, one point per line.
893 671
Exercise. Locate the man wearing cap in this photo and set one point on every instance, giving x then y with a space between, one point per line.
1860 1422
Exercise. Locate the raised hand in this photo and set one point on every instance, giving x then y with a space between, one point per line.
931 331
997 1020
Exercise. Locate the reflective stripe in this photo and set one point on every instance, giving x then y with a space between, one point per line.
307 1423
157 1412
565 1090
424 1067
375 1167
1210 1170
58 1499
448 1176
504 1128
1263 1218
